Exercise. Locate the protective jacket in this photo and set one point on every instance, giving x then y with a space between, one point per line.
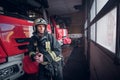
54 44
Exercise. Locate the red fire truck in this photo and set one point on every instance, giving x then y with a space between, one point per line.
14 34
61 34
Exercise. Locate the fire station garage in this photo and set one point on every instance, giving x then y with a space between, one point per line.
88 32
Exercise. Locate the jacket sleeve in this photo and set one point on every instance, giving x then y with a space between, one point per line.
55 46
31 47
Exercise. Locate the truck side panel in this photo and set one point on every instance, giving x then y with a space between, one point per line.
11 29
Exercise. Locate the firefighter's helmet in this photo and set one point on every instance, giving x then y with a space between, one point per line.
40 21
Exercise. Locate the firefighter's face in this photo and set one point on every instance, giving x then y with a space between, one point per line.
41 28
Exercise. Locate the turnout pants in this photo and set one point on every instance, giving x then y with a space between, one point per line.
45 75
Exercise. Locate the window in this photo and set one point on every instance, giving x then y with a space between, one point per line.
100 4
92 34
106 30
85 26
92 11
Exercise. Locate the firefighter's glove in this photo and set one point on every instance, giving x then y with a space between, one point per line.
32 55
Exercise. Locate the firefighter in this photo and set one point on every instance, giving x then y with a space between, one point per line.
45 50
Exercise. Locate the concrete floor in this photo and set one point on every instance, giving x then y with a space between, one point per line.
76 67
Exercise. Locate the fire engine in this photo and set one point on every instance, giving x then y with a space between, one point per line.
61 34
14 34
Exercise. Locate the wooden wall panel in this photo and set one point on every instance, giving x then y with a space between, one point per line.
102 67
